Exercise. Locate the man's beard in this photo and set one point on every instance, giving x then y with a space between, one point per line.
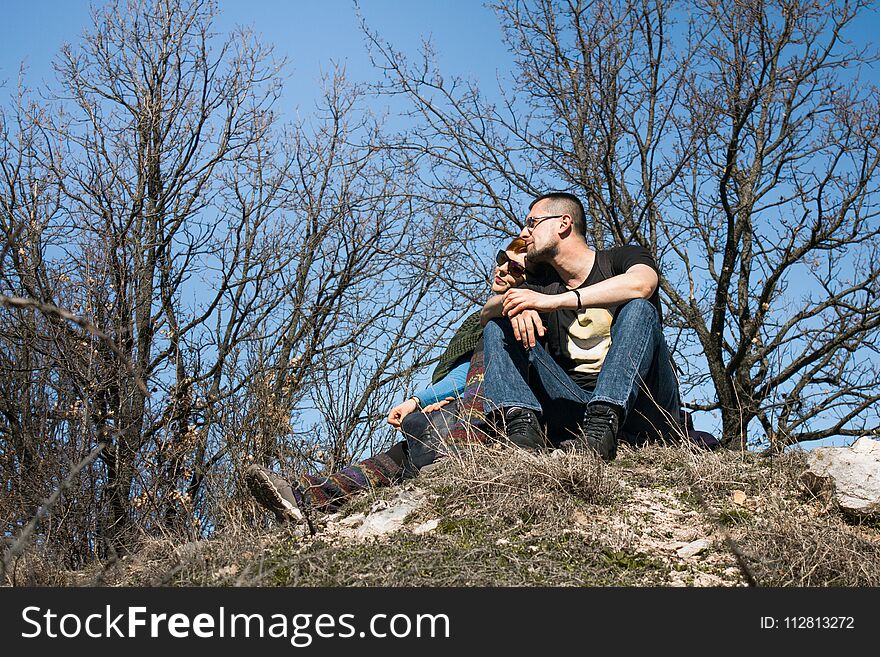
545 254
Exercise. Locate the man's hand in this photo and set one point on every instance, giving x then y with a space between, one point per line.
527 327
396 414
516 300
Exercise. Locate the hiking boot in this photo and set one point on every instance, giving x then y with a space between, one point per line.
522 428
275 493
598 432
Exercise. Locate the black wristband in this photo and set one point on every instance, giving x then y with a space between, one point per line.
578 295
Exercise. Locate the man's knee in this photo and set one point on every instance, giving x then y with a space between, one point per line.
640 310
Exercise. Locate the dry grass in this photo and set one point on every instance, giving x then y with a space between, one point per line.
790 550
510 483
509 518
714 474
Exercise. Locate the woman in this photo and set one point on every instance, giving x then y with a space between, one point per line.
451 411
451 408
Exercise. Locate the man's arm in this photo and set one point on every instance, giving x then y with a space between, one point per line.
638 282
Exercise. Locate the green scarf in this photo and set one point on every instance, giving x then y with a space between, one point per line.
463 342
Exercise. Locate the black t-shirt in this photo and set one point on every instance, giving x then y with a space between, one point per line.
579 341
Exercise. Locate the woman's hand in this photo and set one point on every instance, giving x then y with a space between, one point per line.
437 405
396 414
527 328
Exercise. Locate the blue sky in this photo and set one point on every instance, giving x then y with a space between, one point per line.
311 35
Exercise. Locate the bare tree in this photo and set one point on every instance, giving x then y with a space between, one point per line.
225 288
44 426
736 141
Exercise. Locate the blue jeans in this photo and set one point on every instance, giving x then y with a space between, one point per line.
636 377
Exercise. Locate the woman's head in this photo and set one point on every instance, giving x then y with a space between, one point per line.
509 266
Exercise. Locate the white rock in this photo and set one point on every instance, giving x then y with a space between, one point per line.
389 516
427 526
693 549
378 505
850 476
384 522
352 520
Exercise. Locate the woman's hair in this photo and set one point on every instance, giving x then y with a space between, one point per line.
534 272
518 245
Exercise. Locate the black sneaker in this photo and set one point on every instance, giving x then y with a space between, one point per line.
275 493
600 430
522 428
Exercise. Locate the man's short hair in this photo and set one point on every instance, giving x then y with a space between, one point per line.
567 203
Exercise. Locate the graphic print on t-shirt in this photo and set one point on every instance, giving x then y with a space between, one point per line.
579 341
589 338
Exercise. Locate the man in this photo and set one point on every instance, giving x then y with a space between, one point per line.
603 368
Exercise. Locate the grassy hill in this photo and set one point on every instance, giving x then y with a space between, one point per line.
657 516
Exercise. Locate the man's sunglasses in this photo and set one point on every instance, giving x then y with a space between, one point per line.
531 222
512 265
